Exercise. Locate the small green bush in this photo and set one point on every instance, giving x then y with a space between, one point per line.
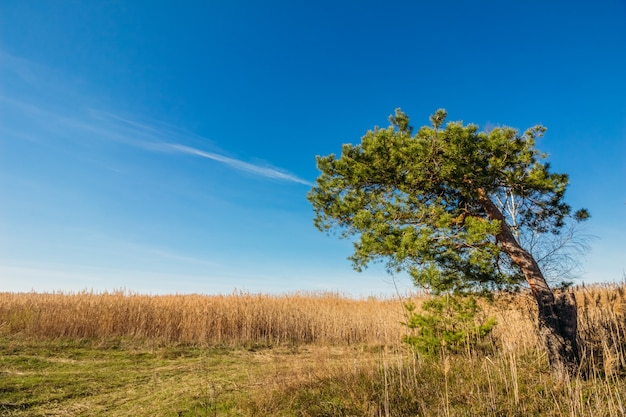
447 322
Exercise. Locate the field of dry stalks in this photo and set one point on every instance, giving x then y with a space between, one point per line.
314 354
299 318
238 318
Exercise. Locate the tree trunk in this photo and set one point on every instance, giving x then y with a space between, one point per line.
557 315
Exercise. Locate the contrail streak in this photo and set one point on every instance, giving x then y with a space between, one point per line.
241 165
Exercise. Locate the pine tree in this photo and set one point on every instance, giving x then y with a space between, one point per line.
450 205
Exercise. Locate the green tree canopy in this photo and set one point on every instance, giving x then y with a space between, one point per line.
415 200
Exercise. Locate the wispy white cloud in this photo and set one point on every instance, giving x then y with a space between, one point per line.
263 171
159 139
159 136
77 121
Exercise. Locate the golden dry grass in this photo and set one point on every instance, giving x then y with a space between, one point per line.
322 318
298 318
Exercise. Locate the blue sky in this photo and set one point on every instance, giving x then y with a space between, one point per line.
166 147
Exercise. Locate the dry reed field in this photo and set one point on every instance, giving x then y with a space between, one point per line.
301 318
304 354
238 318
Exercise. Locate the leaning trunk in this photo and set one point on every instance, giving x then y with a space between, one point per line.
557 314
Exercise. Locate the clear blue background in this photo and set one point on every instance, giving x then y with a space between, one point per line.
166 147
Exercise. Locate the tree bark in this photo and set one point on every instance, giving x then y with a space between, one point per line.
557 315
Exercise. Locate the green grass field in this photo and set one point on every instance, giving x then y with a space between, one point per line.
77 379
83 379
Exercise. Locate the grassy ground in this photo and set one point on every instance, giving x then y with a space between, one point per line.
64 379
69 378
82 378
